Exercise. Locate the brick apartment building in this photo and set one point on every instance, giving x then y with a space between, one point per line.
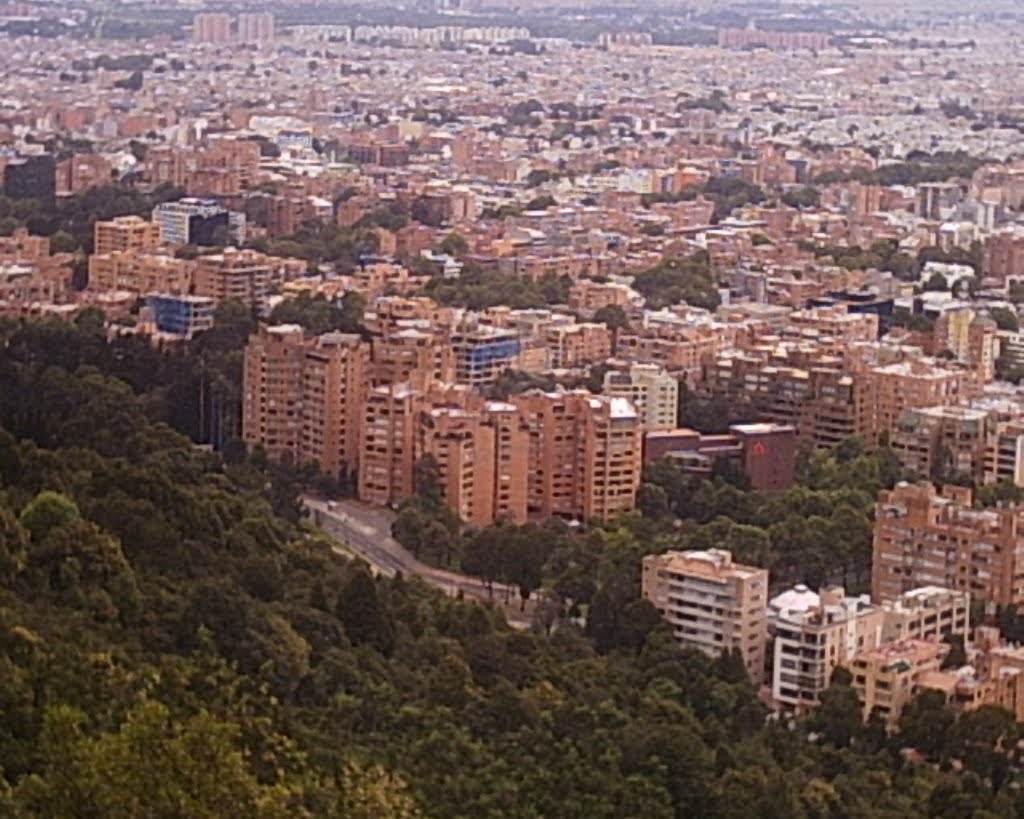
925 538
764 452
303 398
584 454
243 275
827 397
573 455
125 233
139 272
978 443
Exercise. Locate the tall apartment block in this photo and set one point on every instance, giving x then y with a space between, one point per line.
398 354
388 449
1004 256
482 460
815 396
304 398
272 385
925 538
333 401
585 454
479 447
653 392
211 28
256 27
945 442
125 233
971 336
712 603
886 391
828 398
573 455
221 167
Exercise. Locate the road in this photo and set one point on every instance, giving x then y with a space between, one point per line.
365 531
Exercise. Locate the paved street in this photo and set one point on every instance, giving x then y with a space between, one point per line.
366 532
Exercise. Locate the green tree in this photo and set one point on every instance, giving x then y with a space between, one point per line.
47 511
202 771
838 717
454 244
1005 319
13 546
373 792
926 724
612 316
361 611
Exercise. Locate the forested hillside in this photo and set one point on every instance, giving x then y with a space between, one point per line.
174 643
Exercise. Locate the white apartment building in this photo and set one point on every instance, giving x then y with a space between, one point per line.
813 633
653 392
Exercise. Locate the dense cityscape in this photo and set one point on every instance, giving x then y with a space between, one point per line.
464 409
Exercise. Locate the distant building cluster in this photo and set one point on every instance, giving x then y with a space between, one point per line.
219 28
756 38
390 404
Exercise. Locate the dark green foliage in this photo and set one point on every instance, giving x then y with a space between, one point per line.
917 169
318 315
818 531
319 243
1005 319
46 512
838 717
612 316
971 256
883 254
676 280
726 192
177 650
715 101
806 197
70 221
478 289
454 244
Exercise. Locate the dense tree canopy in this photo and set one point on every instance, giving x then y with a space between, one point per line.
171 645
478 288
676 280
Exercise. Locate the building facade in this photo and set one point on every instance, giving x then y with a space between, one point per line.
125 233
653 392
304 398
926 538
712 603
180 315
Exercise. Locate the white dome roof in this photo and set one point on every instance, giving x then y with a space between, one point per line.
797 599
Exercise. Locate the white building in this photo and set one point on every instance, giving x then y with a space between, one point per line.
813 633
654 393
179 220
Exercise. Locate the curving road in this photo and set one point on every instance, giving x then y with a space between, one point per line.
365 531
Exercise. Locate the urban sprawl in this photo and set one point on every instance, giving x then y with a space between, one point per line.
526 273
